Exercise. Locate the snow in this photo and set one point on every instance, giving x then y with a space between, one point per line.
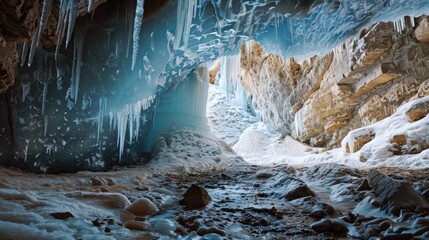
272 147
260 144
190 151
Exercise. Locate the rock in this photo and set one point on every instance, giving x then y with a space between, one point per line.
421 222
395 195
96 181
62 215
418 111
263 175
371 231
196 197
400 236
364 186
401 140
421 231
359 140
298 190
322 226
384 225
318 213
137 225
422 31
206 230
181 231
142 207
96 222
339 227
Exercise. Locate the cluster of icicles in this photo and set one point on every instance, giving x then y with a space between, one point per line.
130 114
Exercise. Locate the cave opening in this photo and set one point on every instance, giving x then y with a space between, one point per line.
214 119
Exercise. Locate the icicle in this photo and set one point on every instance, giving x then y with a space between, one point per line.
413 22
152 44
46 126
101 112
24 52
77 64
130 125
179 24
188 24
26 87
122 117
71 19
26 150
137 27
45 92
46 12
90 3
33 47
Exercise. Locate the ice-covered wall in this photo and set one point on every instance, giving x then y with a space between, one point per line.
87 102
182 107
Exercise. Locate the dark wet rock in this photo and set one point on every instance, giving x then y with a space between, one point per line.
339 227
384 225
96 222
349 218
401 236
264 222
395 195
421 231
318 214
206 230
322 226
364 186
263 175
376 202
298 190
371 231
107 230
421 222
62 215
181 231
196 197
328 208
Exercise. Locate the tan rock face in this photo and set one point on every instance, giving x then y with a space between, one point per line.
418 112
360 82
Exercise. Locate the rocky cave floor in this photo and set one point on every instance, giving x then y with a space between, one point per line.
328 201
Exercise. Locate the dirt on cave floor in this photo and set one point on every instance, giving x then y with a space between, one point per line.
248 202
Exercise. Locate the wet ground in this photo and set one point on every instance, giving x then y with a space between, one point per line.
248 202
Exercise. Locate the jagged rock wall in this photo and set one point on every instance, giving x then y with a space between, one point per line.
362 81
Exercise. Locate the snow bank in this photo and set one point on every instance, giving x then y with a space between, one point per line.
264 146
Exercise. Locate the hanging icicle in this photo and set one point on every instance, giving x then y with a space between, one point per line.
137 27
185 11
24 52
46 12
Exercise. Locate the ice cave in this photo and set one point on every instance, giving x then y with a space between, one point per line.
214 119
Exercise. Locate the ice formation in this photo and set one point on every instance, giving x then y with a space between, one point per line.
91 61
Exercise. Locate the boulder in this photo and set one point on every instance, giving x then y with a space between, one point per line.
395 195
142 207
298 190
196 197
